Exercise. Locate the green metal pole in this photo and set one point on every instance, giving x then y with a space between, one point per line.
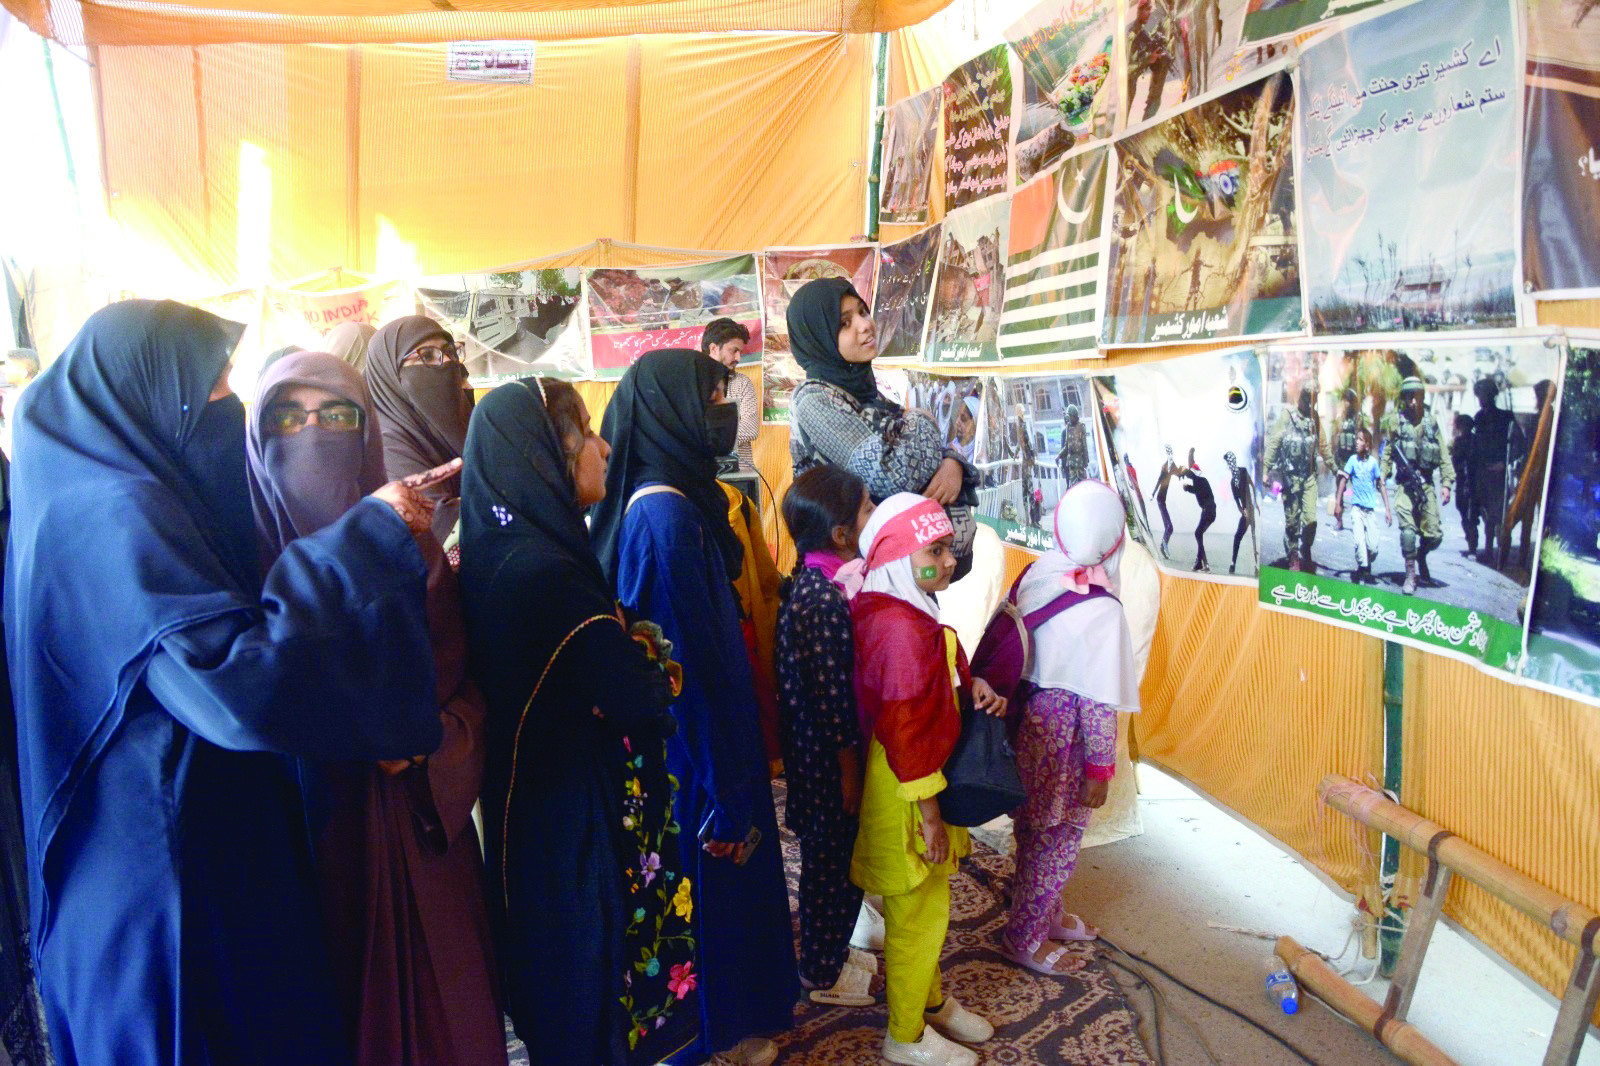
880 103
1394 687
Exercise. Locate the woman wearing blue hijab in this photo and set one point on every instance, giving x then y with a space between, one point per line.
160 679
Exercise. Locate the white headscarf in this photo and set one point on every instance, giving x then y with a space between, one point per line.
895 578
1086 649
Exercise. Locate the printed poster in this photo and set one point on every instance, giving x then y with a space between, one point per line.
1440 448
977 129
905 283
302 312
969 289
1183 439
1068 95
909 129
1042 442
1265 19
1179 50
1203 231
956 405
1409 184
644 309
1564 633
513 323
783 272
1561 149
1054 261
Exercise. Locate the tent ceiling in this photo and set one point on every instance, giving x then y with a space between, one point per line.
183 22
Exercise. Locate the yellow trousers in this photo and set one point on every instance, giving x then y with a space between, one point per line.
915 926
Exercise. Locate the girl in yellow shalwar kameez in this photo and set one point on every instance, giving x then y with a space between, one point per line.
909 673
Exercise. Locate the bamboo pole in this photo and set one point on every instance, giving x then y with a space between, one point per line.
1563 917
1401 1037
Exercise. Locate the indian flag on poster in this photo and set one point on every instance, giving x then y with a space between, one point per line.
1053 266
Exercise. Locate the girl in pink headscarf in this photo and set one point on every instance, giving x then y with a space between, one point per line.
1081 675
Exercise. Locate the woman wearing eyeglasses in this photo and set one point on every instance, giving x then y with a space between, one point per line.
420 392
397 855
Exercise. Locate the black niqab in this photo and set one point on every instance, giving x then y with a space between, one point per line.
656 426
813 321
416 436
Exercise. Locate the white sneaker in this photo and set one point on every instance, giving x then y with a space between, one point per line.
959 1023
931 1050
751 1051
868 935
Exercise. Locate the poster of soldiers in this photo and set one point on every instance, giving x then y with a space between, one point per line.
969 290
1266 19
641 309
1041 443
978 100
908 132
905 283
1054 261
1179 50
1408 188
1203 230
1394 479
1069 96
1183 440
1561 149
512 323
1564 626
783 271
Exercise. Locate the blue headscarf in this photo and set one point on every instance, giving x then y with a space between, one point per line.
124 529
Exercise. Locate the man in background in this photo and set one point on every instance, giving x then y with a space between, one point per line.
724 340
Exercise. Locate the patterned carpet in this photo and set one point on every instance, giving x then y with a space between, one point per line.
1082 1019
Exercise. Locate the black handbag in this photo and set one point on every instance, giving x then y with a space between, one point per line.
981 779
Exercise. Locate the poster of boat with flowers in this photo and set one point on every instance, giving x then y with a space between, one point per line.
1065 48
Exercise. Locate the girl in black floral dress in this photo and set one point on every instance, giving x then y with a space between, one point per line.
824 509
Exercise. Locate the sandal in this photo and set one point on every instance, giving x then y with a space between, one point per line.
1046 965
1078 930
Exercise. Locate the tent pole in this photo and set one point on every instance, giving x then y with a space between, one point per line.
880 102
1394 688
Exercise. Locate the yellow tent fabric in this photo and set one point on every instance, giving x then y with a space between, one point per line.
209 22
254 162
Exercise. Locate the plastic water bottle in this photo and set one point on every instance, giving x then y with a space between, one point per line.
1281 988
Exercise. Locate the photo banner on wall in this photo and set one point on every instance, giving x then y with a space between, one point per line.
783 272
978 100
512 323
956 406
1391 473
1183 439
1564 628
1408 189
1069 97
1203 227
905 288
643 309
303 312
1055 259
1041 442
1266 19
1561 150
969 288
909 129
1178 52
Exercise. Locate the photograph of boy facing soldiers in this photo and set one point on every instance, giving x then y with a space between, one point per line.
1366 450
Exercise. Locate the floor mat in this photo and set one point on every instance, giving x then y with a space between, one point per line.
1082 1018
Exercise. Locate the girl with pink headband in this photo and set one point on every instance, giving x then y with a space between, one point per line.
910 677
1082 673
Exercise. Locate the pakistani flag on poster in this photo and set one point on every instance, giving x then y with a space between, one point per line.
1266 19
1053 262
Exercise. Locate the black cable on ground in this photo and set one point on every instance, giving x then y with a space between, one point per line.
1141 983
1181 983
